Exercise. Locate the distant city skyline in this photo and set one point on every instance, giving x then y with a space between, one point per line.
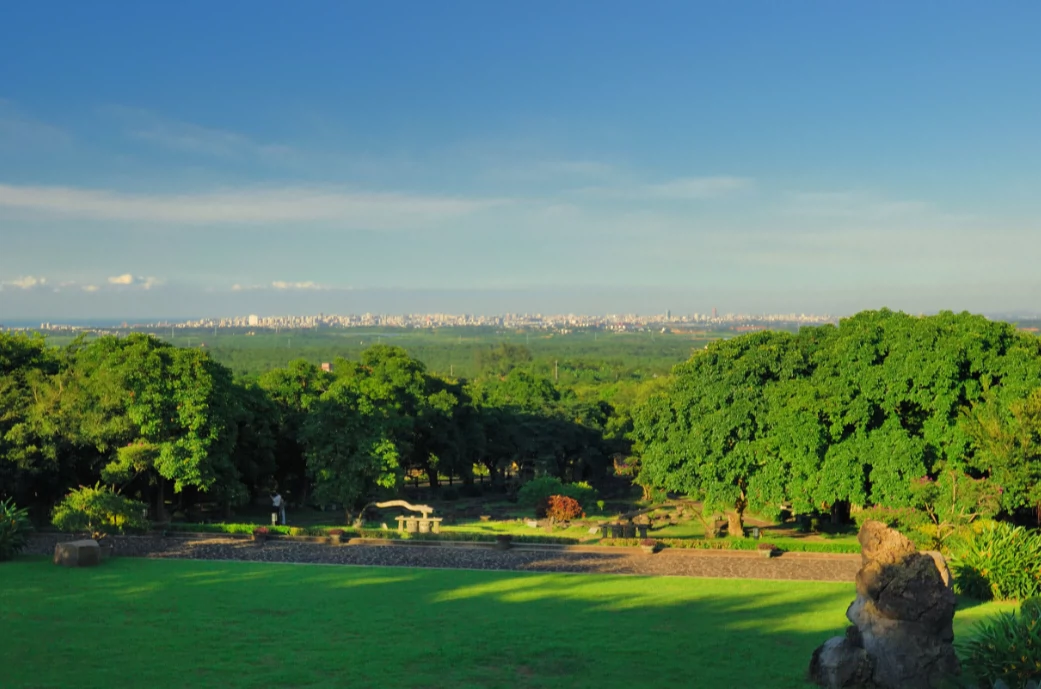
617 321
172 305
492 157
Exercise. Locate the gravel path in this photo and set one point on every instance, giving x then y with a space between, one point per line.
670 562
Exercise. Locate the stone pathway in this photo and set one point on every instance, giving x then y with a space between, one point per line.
670 562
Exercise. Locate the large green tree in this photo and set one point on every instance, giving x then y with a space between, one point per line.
707 435
349 446
858 414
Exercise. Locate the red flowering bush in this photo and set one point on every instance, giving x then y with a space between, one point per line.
261 531
562 508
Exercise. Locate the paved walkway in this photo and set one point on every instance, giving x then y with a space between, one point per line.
670 562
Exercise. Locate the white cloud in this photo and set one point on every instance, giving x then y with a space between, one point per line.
361 210
25 282
130 280
279 284
90 288
697 187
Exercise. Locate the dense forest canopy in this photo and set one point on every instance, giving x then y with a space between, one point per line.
153 420
939 413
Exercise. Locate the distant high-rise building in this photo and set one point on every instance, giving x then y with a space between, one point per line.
253 320
714 314
668 314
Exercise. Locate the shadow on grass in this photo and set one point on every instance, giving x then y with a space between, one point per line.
219 624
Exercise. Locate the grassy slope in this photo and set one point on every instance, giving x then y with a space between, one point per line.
133 623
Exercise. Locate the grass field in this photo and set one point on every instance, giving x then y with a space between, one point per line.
151 623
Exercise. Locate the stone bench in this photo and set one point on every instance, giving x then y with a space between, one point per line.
413 524
86 553
623 530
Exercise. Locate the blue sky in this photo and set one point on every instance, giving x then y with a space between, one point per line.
200 158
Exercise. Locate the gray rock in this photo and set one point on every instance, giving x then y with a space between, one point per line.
85 553
902 616
840 663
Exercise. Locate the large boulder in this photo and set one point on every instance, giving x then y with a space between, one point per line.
85 553
902 633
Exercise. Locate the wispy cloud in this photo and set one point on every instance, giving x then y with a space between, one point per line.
151 127
25 282
857 205
18 128
678 189
697 187
554 171
130 280
362 210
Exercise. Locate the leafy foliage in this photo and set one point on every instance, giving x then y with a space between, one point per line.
1006 649
999 561
99 510
14 529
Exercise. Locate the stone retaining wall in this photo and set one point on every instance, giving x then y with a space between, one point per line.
606 560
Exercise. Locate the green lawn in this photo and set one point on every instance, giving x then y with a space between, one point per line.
138 623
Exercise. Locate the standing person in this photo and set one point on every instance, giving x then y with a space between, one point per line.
279 506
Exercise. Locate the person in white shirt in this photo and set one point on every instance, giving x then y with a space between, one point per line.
279 506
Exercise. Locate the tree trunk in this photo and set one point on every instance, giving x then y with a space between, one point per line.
736 523
432 477
160 501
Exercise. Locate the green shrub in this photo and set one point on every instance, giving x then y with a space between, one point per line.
449 494
99 510
14 529
999 561
1006 648
563 509
543 487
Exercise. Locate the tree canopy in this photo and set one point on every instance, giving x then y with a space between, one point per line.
853 414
